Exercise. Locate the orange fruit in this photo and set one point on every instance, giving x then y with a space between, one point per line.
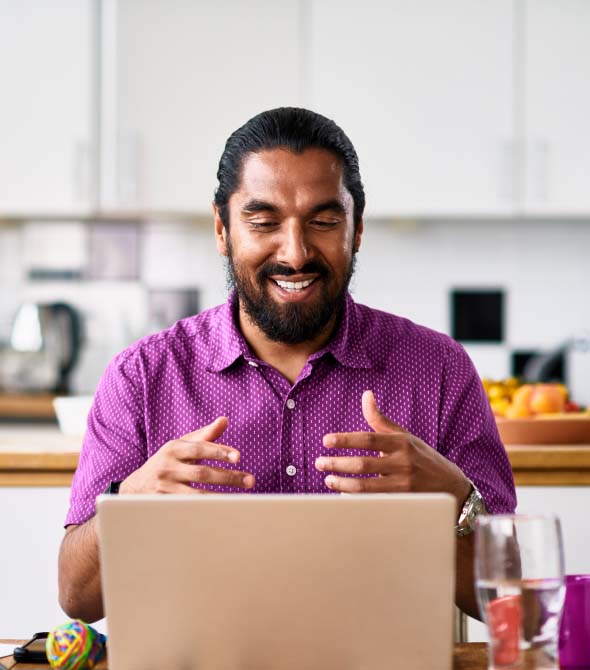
546 398
522 397
517 412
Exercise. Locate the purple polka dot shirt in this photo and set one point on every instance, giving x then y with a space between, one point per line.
178 380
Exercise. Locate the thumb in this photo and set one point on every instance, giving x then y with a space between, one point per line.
209 432
378 422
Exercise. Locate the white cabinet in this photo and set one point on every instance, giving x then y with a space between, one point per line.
47 152
571 505
424 89
32 529
557 106
465 108
187 75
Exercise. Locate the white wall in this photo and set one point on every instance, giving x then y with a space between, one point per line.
543 266
407 268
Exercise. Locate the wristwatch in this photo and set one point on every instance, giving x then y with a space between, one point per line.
473 506
112 488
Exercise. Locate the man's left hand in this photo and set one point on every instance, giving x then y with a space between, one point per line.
404 463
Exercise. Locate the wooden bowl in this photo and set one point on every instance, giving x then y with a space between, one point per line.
546 429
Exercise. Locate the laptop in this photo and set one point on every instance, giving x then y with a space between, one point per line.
281 582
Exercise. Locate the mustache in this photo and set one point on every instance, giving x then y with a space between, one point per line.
313 267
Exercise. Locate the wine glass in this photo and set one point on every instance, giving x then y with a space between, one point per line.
519 570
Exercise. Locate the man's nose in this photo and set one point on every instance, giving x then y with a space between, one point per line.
294 247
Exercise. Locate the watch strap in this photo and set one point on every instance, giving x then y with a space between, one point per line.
112 488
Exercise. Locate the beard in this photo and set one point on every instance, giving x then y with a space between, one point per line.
288 323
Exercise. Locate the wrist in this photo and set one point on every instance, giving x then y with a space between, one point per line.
113 488
463 492
124 487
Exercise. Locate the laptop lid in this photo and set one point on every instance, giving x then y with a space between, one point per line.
253 582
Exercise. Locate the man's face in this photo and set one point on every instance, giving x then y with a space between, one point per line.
291 242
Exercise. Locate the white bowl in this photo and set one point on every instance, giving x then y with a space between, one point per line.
72 413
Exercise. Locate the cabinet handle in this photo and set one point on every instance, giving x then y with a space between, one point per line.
128 182
539 169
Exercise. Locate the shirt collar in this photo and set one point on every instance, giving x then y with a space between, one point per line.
348 346
228 344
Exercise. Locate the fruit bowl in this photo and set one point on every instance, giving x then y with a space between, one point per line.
559 428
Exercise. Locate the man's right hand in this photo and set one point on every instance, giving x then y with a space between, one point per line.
176 465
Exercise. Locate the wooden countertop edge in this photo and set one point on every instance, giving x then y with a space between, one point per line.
549 457
533 465
33 460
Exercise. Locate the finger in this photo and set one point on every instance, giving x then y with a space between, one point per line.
369 441
207 433
184 450
358 465
373 416
389 484
207 474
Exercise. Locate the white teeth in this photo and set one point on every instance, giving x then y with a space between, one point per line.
294 285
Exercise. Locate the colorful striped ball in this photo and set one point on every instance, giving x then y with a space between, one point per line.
74 645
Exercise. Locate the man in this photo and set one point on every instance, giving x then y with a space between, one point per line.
290 386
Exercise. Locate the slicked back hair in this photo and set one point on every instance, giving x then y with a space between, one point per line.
291 128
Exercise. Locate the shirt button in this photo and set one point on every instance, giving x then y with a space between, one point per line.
291 403
253 364
291 470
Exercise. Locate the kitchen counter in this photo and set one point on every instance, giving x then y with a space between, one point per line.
42 456
550 465
34 406
37 455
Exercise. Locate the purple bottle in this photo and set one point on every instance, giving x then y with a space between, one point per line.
574 633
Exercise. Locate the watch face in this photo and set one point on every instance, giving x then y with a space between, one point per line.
474 506
477 509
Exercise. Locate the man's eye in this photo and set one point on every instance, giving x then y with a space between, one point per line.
263 225
321 223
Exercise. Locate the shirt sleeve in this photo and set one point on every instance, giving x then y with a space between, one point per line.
468 434
114 444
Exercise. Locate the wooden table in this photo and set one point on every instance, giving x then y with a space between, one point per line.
471 656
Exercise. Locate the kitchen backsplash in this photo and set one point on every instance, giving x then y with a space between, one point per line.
117 278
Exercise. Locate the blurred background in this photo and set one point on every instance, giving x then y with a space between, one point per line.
471 121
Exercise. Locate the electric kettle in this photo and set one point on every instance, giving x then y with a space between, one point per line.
43 349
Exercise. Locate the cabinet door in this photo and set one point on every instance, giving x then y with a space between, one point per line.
46 74
570 504
557 106
32 530
190 73
424 89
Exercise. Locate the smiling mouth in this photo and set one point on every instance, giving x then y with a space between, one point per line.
294 285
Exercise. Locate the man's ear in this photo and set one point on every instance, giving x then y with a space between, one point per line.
358 236
220 232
